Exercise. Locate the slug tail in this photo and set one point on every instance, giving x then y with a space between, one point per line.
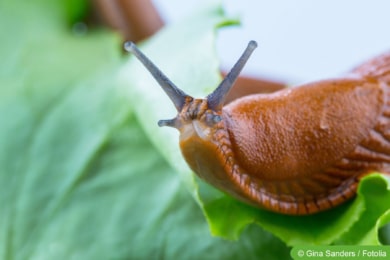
377 68
373 153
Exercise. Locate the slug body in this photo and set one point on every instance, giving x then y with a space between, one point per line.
296 151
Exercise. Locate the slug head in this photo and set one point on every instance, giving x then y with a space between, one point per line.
195 116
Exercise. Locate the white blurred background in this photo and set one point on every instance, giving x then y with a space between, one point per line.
300 40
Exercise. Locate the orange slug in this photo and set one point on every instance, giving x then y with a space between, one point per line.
296 151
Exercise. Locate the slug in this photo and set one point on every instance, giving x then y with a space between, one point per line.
296 151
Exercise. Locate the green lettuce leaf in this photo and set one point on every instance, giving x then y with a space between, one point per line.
79 176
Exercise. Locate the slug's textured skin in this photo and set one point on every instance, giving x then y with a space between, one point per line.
297 151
